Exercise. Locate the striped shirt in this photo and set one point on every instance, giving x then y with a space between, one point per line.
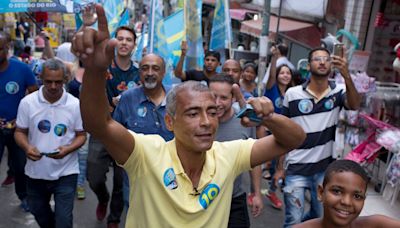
319 120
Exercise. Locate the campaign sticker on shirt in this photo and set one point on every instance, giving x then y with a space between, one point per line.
208 195
305 106
12 87
329 104
131 84
279 102
44 126
60 129
141 111
170 179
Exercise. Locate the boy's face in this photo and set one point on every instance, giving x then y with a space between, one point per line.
342 198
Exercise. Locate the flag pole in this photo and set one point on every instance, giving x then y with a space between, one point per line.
153 12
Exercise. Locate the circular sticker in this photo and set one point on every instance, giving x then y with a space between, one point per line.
208 195
131 84
60 129
12 87
44 126
305 106
141 111
329 104
170 179
278 102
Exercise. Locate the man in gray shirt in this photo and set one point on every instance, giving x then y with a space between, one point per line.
229 129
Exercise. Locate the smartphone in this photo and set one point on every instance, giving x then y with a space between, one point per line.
338 49
54 152
249 112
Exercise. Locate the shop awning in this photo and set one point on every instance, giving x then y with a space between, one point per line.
240 14
254 27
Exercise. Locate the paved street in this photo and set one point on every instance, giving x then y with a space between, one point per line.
84 210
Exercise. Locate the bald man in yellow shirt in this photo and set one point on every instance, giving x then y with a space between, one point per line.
188 181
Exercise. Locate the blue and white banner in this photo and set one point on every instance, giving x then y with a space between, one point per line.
221 32
64 6
195 53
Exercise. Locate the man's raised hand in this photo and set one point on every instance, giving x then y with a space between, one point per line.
94 48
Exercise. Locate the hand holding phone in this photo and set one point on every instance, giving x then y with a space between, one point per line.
338 50
49 153
249 112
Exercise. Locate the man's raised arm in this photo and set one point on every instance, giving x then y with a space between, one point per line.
96 50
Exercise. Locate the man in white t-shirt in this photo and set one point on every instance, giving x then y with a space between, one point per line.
49 130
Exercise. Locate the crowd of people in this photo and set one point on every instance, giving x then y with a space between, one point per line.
178 153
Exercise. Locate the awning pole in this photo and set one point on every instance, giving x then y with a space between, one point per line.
279 21
263 45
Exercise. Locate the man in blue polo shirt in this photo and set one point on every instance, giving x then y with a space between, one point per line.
142 109
15 79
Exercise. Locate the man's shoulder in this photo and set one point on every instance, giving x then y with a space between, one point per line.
295 89
133 93
32 95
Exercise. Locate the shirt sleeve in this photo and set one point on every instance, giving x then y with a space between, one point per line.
23 115
78 123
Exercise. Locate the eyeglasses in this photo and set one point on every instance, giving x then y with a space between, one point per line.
321 58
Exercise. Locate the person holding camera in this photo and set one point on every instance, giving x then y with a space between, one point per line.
314 105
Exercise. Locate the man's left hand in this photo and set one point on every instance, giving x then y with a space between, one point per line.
257 206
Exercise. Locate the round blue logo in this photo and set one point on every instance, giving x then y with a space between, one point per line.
170 179
305 106
278 102
12 87
141 111
329 104
44 126
60 129
208 195
131 84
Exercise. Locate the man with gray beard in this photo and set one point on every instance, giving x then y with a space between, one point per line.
142 109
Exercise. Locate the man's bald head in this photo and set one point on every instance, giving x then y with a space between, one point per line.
232 68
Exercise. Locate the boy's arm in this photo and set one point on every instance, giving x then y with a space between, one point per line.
179 67
96 51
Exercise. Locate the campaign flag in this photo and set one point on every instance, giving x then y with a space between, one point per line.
116 14
158 40
140 45
174 32
64 6
195 53
221 32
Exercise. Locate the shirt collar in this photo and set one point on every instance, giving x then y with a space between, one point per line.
209 168
143 98
60 101
331 84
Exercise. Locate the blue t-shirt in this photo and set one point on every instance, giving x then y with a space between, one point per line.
137 113
275 96
13 84
120 80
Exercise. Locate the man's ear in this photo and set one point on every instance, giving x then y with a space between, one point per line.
169 122
320 192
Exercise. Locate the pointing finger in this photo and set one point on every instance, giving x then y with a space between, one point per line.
102 20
